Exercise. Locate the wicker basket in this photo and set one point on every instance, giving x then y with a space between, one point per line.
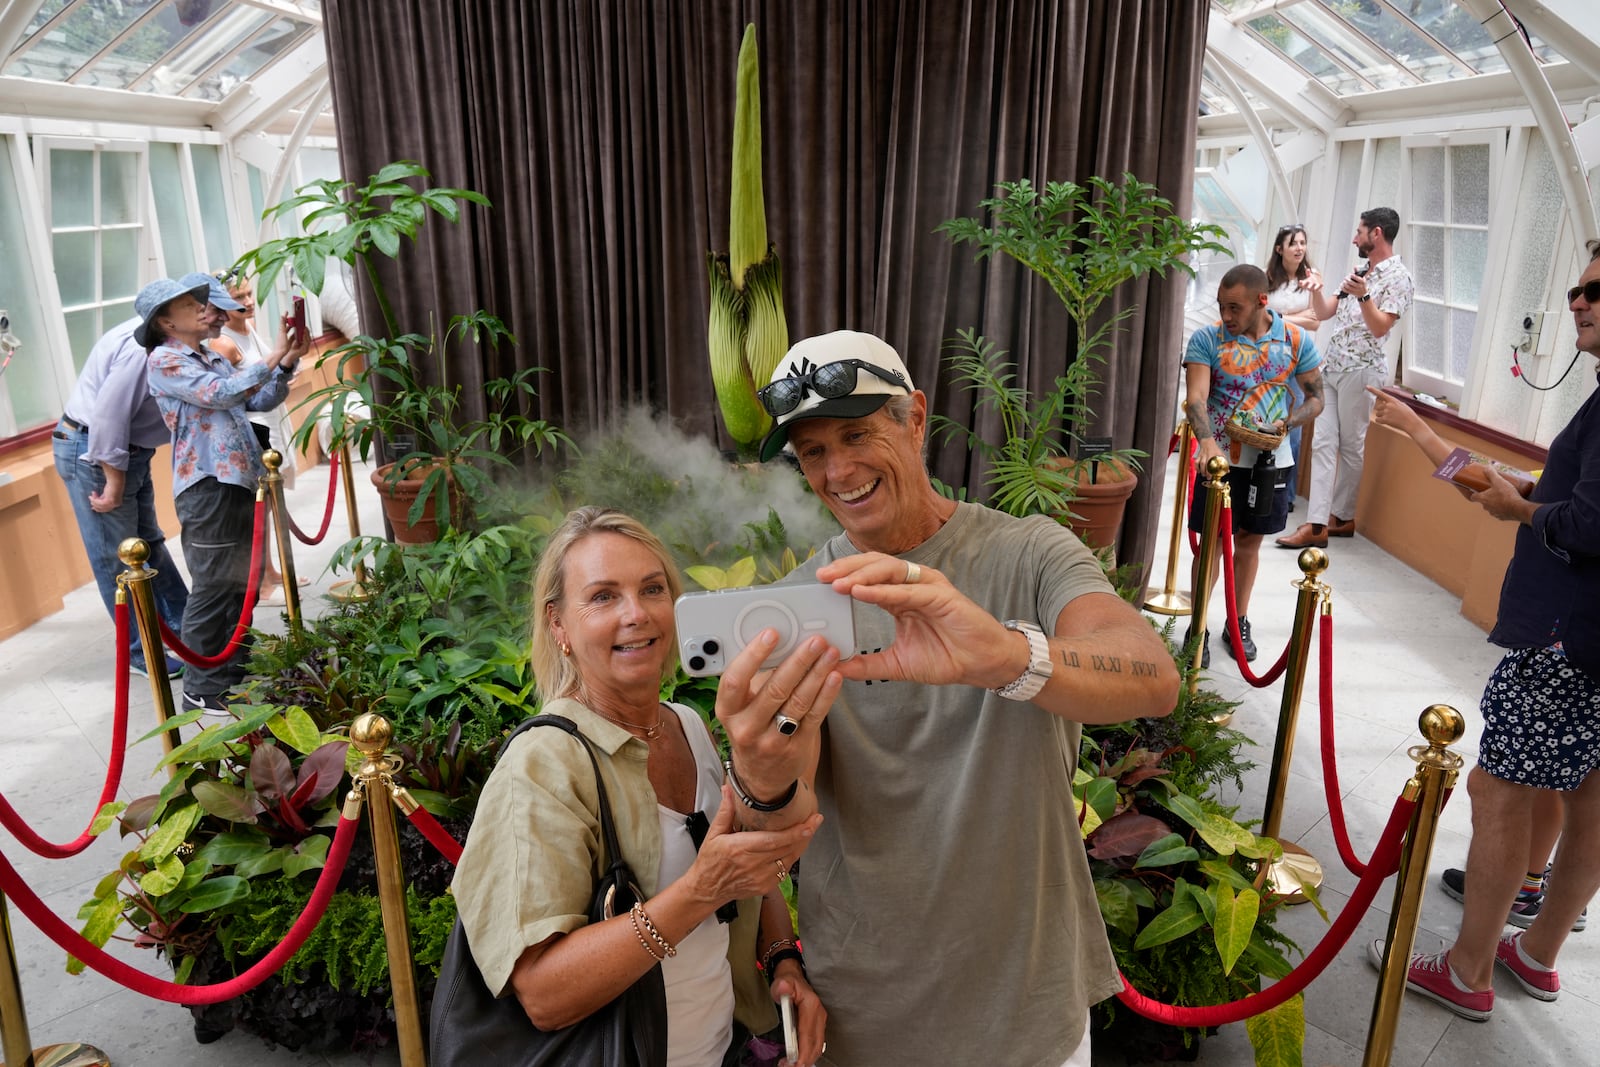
1267 442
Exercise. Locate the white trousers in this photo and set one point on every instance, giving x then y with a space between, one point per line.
1340 441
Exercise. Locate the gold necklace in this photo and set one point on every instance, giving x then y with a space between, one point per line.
651 733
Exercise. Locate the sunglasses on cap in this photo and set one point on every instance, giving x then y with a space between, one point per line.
829 381
1590 291
226 276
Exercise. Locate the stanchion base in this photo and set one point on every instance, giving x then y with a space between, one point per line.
1297 868
345 592
1158 600
70 1054
1223 720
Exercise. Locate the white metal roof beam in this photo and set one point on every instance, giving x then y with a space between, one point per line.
1299 98
1572 27
31 97
255 104
14 22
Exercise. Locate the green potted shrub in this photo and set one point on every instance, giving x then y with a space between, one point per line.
1084 241
396 387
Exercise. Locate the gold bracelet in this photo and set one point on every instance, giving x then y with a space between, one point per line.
666 946
772 949
633 915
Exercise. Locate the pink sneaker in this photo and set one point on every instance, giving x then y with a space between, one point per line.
1537 980
1430 975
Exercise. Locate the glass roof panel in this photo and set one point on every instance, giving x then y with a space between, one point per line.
1305 53
122 66
1213 101
276 40
1400 38
218 37
1377 69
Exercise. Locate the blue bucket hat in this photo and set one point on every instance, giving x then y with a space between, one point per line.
216 295
154 298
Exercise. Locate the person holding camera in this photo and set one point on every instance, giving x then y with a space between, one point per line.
1238 370
604 639
947 905
1364 309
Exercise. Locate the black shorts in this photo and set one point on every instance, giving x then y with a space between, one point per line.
1239 491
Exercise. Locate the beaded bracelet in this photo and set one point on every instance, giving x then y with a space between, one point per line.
666 946
751 802
633 916
772 950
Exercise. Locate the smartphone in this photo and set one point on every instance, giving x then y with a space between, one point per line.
791 1039
298 321
714 627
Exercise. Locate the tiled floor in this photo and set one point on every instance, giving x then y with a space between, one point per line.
1399 645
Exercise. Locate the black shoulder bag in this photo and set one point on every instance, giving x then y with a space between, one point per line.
471 1026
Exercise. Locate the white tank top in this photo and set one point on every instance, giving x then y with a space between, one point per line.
699 983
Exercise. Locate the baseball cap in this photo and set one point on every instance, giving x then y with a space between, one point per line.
811 379
153 298
216 295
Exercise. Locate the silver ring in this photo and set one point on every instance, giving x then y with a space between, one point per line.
913 573
785 725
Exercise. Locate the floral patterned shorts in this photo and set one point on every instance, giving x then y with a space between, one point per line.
1541 721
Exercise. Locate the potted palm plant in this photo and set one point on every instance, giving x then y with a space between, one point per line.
1085 241
396 387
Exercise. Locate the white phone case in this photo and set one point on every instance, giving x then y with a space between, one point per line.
714 627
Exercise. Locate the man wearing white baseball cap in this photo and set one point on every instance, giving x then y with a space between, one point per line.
943 769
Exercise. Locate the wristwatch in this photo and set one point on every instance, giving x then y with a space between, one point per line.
1027 686
1364 297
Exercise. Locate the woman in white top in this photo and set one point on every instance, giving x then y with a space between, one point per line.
1291 279
240 346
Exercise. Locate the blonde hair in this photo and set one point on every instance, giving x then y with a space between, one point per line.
555 674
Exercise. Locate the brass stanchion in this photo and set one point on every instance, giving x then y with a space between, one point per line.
15 1041
1216 503
351 588
1297 867
1436 773
272 485
135 582
371 734
1167 600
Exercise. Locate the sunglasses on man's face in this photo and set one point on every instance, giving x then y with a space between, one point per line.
1590 291
829 381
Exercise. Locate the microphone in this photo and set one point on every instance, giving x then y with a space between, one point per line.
1361 272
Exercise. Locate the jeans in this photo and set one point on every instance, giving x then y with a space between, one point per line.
134 517
218 524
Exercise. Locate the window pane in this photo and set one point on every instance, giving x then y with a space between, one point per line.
1304 54
1468 251
172 211
112 314
1335 37
1469 184
1399 38
119 188
1461 324
1428 263
213 205
71 188
1427 354
147 45
35 396
283 35
76 268
1456 29
202 50
1427 184
119 263
83 330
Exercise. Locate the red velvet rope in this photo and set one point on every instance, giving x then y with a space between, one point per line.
1330 761
251 593
1274 672
1385 861
1189 480
327 513
436 835
69 940
119 744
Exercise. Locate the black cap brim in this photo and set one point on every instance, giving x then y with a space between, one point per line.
854 406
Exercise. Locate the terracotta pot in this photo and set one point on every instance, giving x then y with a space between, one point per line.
1097 510
398 495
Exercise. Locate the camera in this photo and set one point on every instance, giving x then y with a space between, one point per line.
714 627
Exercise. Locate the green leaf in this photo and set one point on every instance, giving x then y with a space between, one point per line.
107 815
309 855
1180 919
1223 834
181 975
102 924
1279 1036
175 828
164 878
214 893
235 846
1117 905
262 863
107 886
297 729
1166 852
177 720
1236 919
229 802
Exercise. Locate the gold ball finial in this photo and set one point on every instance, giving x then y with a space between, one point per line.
1217 468
273 459
1441 724
1313 561
134 551
371 733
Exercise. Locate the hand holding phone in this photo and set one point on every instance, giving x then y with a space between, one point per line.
714 627
298 333
791 1038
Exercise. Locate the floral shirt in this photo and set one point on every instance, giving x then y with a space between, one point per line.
1352 345
1250 375
204 399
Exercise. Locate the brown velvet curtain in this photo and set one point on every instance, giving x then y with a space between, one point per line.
601 133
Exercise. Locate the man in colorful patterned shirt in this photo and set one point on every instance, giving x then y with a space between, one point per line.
216 461
1238 369
1364 310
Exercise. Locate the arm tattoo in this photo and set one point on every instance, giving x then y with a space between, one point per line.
1111 664
1199 421
1312 406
